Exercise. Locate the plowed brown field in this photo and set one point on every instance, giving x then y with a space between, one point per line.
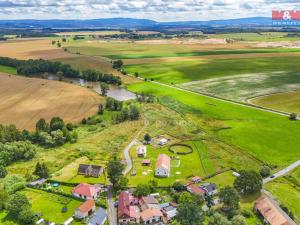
26 100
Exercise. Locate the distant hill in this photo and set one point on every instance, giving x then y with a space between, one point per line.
129 23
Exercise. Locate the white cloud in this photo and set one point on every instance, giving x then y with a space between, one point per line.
160 10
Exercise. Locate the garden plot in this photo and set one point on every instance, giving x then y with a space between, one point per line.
244 86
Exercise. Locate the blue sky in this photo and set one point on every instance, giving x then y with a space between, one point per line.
160 10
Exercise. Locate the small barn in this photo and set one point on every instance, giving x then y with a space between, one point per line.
141 151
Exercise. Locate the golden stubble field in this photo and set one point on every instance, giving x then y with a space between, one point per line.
23 101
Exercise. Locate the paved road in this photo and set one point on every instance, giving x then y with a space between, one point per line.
127 156
128 147
112 214
282 172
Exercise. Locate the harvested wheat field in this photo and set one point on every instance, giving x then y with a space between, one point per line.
32 49
26 100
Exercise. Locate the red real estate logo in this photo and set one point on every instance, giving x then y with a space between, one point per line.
286 15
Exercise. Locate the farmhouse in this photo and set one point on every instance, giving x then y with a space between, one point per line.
152 216
210 189
196 179
128 211
194 189
271 212
86 209
162 168
86 191
141 151
90 170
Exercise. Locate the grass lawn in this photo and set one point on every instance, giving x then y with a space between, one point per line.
201 69
7 69
268 137
69 173
50 205
287 102
222 180
181 169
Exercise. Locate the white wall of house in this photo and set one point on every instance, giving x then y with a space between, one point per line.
156 219
85 197
162 172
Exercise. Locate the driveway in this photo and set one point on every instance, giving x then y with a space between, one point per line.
112 214
282 172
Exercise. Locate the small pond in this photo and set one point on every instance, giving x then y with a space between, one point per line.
118 93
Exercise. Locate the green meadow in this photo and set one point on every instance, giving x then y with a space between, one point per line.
179 72
265 136
7 69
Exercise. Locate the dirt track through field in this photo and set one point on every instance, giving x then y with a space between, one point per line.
26 100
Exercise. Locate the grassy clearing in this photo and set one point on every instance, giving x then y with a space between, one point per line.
178 72
255 132
287 102
181 169
264 36
7 69
50 205
69 173
96 142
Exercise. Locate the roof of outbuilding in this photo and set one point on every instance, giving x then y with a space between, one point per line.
86 206
149 213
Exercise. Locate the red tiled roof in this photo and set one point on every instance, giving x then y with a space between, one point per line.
270 211
125 208
149 200
195 189
86 190
163 161
149 213
87 206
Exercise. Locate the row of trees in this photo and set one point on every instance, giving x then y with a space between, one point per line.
93 75
34 67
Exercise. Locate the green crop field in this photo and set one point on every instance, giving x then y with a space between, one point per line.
137 50
269 137
177 72
7 69
287 102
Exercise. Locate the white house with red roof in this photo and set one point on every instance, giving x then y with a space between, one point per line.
128 210
85 209
163 166
86 191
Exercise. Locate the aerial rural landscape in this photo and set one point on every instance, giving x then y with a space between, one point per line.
134 121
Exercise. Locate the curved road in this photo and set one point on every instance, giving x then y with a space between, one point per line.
282 172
